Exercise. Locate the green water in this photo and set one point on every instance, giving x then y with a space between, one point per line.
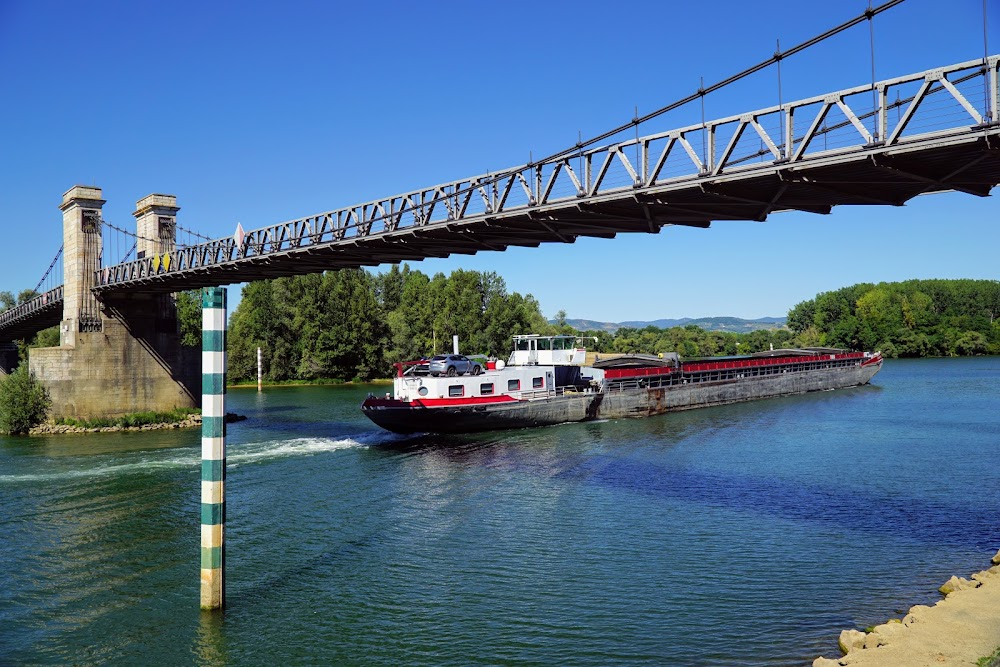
741 535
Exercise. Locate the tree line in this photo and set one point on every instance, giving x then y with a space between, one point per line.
914 318
352 324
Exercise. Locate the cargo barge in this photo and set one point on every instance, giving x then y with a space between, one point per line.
546 382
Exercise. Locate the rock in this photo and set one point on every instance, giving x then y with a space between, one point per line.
825 662
957 584
987 574
851 639
916 613
890 630
996 558
874 640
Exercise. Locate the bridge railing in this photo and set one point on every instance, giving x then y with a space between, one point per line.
45 301
938 103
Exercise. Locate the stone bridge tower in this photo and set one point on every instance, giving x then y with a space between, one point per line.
116 355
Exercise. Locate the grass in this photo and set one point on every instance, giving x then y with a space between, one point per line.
133 419
990 660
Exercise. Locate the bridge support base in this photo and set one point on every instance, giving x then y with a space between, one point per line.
126 366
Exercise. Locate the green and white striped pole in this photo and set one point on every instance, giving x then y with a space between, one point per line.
213 448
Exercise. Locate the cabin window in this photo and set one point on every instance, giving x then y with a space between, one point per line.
537 383
456 390
521 344
486 389
513 385
544 344
422 391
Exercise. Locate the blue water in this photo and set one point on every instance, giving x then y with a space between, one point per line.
740 535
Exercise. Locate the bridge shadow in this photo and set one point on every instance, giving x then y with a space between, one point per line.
151 321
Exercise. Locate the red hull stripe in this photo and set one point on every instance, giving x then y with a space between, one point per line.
618 373
438 402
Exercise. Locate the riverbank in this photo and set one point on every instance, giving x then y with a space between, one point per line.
191 421
963 628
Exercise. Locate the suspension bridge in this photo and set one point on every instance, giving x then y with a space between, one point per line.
882 142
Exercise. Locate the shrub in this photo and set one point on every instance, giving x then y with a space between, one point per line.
133 419
23 402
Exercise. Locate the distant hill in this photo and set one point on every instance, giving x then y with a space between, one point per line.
733 324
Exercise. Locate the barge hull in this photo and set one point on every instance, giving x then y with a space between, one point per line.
613 404
655 401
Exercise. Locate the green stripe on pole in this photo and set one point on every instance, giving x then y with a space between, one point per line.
213 470
212 514
213 297
211 558
213 427
213 383
213 341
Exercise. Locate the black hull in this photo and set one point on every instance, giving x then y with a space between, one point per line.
634 402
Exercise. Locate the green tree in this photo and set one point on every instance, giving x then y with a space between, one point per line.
910 318
24 403
802 316
389 287
26 295
189 317
259 322
970 343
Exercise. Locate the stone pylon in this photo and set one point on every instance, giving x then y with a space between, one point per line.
83 245
116 355
156 226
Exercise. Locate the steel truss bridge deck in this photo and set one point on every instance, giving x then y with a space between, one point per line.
884 144
926 132
26 319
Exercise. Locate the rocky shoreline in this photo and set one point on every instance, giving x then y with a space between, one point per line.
961 629
190 421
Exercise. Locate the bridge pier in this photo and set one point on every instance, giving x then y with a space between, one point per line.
119 355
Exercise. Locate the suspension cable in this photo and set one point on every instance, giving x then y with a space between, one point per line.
49 270
986 55
136 236
194 233
577 149
871 41
127 232
867 15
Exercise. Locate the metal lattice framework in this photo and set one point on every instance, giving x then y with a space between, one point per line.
873 144
25 319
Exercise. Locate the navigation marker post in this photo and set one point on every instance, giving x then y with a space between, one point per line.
213 448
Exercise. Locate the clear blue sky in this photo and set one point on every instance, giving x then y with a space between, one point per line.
263 112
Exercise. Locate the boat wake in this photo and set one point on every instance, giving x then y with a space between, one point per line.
87 470
267 450
152 461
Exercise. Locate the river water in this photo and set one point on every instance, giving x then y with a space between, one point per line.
741 535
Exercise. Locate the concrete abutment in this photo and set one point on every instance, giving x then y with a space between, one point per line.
122 354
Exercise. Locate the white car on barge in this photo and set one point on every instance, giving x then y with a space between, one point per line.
546 382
